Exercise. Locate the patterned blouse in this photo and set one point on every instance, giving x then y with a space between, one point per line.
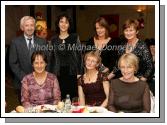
145 60
34 94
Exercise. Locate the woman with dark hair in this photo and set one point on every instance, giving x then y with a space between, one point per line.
66 59
58 23
151 79
136 46
103 43
39 87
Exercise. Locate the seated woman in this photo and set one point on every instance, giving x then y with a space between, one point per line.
128 93
93 87
39 87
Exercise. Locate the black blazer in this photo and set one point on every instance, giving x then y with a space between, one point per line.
20 59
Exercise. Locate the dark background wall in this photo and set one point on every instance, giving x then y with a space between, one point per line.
83 18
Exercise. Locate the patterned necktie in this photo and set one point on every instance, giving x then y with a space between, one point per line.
30 47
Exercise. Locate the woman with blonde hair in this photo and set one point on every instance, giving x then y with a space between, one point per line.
93 87
128 93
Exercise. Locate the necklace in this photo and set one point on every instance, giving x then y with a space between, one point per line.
91 77
63 36
64 41
100 44
87 77
40 80
130 47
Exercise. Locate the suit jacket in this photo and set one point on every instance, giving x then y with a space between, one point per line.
20 59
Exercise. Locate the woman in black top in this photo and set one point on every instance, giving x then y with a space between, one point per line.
66 59
103 43
151 79
137 47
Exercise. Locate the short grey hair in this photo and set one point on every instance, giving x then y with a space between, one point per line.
25 18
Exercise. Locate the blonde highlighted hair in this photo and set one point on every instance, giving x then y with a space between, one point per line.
95 54
130 59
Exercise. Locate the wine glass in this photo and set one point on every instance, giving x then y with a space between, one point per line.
92 103
29 109
75 102
33 108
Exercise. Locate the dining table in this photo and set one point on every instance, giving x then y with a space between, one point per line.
47 108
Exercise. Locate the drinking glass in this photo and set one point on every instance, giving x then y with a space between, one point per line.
75 103
32 109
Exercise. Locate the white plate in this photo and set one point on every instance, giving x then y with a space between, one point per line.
13 111
45 107
97 109
38 108
94 109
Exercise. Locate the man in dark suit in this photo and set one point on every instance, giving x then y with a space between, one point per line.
21 50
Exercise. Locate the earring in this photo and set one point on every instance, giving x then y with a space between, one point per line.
135 71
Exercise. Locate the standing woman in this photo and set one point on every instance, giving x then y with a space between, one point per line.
106 45
66 59
151 79
136 46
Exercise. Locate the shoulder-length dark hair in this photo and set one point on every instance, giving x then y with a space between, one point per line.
68 19
102 22
39 53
